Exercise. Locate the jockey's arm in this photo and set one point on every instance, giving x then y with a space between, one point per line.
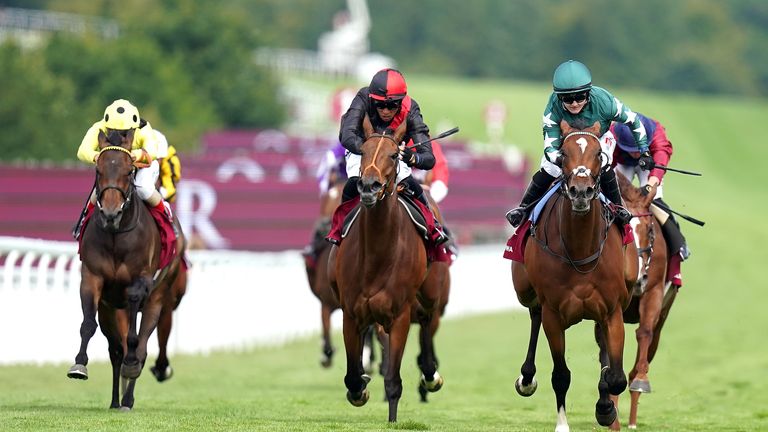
419 133
349 133
89 147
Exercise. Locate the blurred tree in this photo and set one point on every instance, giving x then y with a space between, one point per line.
38 112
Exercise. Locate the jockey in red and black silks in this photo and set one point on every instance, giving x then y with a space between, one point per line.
387 104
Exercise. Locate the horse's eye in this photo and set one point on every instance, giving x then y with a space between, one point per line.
394 156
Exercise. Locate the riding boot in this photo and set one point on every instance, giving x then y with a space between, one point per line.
166 208
438 235
676 243
312 250
610 187
78 228
536 189
349 193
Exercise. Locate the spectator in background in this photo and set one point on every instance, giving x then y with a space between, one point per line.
628 160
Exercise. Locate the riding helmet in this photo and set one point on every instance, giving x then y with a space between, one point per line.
121 115
388 84
571 77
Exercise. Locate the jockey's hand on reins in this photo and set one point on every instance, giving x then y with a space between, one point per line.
646 161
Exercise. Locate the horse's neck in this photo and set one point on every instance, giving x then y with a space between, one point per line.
581 234
380 224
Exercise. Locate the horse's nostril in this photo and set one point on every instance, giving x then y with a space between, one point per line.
572 191
590 191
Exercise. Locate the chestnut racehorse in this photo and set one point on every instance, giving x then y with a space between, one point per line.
378 272
120 253
653 296
575 269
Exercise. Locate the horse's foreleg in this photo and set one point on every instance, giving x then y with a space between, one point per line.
90 295
355 380
613 381
526 384
110 329
654 344
431 380
138 293
393 383
325 317
650 309
561 375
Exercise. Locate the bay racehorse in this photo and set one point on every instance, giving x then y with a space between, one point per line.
173 285
378 272
120 252
438 285
317 272
653 295
575 269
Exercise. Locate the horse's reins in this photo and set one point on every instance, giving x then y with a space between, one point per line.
126 195
383 191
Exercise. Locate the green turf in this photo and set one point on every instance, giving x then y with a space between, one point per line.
709 373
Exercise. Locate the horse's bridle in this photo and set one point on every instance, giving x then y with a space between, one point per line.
383 192
580 171
647 251
127 194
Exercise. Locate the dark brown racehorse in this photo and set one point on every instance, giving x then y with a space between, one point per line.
120 253
378 271
173 284
574 270
653 296
317 275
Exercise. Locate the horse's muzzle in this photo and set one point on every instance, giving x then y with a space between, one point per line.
369 192
581 196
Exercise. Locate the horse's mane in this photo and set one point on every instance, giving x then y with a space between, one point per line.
630 193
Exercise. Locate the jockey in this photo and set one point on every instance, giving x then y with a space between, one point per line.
121 117
628 161
581 104
387 104
170 167
333 168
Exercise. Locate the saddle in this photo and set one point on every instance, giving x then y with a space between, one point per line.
167 235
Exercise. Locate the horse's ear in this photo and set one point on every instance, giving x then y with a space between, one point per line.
565 128
367 127
624 185
400 131
102 139
595 128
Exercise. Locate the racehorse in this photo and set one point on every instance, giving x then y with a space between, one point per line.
378 272
574 269
438 284
317 274
653 296
120 253
176 280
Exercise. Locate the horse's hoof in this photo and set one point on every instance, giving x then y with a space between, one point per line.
163 375
130 371
364 396
632 427
434 385
78 371
366 378
525 390
605 418
125 409
640 386
325 362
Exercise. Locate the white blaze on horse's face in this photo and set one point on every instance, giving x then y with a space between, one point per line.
582 142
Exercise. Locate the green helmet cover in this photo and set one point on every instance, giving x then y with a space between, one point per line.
570 77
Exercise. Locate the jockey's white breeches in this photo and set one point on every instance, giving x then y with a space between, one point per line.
354 170
145 180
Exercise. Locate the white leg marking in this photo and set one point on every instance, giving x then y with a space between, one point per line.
562 422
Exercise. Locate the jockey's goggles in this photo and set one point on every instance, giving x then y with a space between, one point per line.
568 98
388 104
